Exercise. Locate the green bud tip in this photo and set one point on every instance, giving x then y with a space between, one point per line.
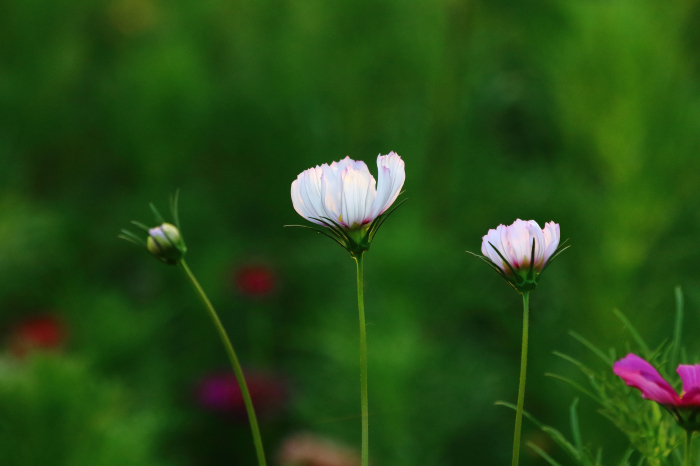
166 243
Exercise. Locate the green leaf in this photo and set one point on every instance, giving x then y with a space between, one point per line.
318 231
544 455
591 347
140 225
633 331
626 457
133 238
575 429
525 413
575 385
677 329
488 262
156 214
559 250
384 216
175 208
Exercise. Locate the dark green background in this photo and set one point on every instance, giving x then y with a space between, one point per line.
584 112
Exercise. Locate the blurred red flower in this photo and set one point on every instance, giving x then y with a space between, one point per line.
44 332
255 280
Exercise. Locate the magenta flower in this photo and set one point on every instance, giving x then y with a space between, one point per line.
638 373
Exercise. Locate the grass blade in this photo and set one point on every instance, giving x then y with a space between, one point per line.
575 385
633 331
677 329
626 458
592 347
544 455
159 218
575 429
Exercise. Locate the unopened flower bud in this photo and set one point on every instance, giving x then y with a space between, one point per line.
166 243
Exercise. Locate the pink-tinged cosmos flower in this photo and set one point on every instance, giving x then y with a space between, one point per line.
522 251
638 373
221 393
345 198
311 450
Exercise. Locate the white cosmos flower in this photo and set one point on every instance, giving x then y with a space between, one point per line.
347 193
514 244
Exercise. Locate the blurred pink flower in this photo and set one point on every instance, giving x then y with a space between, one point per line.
638 373
310 450
255 280
45 332
221 393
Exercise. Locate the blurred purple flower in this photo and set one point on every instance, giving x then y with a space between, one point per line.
220 393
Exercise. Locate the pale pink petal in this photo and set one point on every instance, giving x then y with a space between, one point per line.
638 373
551 239
520 242
490 240
391 176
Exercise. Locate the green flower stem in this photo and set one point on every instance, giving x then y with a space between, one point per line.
363 361
234 363
523 376
688 448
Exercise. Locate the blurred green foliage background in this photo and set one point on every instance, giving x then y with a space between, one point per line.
585 112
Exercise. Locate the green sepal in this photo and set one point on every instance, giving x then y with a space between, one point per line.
318 231
687 418
521 282
379 221
132 238
340 234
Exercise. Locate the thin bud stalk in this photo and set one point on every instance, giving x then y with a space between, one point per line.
257 440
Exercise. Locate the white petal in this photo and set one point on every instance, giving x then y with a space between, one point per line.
391 176
306 195
358 195
331 188
490 240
